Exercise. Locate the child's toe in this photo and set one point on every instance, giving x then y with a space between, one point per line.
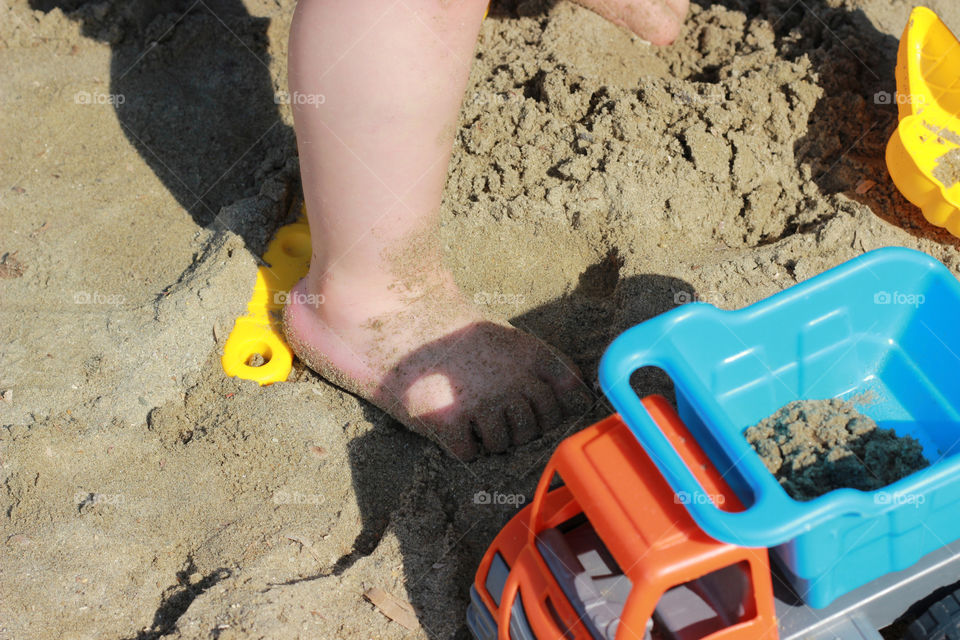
491 423
458 441
576 402
545 404
656 21
522 419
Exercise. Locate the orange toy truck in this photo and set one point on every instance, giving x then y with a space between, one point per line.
607 550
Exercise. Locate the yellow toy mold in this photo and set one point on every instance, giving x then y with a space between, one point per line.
928 103
260 331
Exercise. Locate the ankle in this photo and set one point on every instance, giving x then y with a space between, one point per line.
356 285
347 300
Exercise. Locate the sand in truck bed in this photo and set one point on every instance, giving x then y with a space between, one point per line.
816 446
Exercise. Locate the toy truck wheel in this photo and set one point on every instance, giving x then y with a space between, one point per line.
940 622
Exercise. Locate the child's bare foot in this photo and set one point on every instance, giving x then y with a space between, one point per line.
431 360
374 152
657 21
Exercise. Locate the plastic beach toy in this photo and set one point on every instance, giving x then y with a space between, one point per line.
879 330
259 332
922 154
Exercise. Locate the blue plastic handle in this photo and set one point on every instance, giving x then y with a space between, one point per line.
769 520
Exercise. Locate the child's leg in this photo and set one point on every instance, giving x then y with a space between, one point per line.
657 21
392 325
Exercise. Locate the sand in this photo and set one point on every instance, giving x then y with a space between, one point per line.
815 446
947 170
595 182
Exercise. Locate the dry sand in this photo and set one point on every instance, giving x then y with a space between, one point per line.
595 182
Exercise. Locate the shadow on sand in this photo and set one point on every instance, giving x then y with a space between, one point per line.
194 96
